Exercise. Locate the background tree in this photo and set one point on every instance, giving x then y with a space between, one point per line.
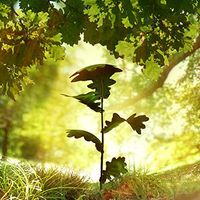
5 124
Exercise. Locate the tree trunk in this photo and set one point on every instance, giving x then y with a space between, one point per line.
5 141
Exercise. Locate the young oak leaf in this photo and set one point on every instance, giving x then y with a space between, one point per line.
87 136
92 72
136 123
116 120
115 169
100 75
88 99
102 86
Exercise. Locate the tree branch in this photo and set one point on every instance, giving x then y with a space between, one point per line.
176 59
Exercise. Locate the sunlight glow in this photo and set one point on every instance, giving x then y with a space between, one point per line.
135 150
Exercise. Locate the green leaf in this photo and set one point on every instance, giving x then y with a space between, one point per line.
116 120
9 3
57 37
56 52
88 99
34 5
100 75
136 123
73 23
91 72
115 169
87 136
4 10
125 49
152 69
11 95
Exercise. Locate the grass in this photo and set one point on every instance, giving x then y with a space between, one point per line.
138 185
167 185
28 182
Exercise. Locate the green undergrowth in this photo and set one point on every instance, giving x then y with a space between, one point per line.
24 181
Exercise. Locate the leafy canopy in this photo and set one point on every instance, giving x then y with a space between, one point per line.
145 31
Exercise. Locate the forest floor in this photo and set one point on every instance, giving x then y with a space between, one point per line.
23 181
182 183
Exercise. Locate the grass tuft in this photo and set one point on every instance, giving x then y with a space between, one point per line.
59 184
27 182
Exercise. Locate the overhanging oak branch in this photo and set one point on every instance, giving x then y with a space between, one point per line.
173 61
